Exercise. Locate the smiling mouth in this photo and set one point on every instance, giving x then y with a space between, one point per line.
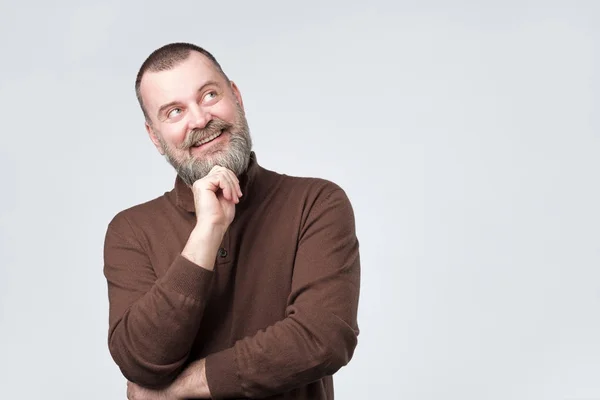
208 139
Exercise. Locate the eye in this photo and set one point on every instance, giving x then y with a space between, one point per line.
210 96
174 112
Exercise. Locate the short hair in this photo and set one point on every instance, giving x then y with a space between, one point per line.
166 58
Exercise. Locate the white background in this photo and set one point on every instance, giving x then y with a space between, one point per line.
466 135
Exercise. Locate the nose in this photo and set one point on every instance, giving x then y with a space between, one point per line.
198 117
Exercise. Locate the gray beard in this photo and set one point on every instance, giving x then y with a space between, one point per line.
235 158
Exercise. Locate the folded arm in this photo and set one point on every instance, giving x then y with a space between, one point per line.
319 333
153 322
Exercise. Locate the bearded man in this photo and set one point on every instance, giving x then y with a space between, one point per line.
240 282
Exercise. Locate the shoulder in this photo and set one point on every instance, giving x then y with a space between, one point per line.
139 215
312 192
322 205
310 186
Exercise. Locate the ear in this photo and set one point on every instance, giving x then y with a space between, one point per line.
154 138
237 93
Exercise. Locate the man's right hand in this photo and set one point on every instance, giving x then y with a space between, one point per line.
215 197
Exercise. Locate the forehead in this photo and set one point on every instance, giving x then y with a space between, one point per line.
179 82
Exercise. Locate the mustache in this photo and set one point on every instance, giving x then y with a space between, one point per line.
195 136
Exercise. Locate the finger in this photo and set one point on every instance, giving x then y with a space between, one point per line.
225 178
215 169
214 181
231 187
222 185
236 183
225 186
131 391
236 186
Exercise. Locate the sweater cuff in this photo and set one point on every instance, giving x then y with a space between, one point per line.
188 279
222 375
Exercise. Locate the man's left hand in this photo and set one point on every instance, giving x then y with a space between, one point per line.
191 383
137 392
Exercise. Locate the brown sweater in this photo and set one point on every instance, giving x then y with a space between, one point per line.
276 317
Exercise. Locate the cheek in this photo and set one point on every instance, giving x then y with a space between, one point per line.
225 112
174 135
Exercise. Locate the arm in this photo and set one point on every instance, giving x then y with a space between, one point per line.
319 333
153 322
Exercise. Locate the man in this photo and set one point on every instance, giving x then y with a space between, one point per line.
240 282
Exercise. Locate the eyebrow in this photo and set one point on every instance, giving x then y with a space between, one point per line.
162 108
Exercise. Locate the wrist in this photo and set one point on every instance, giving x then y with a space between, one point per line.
208 232
202 246
192 382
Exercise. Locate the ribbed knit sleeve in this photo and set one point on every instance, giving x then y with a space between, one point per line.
153 322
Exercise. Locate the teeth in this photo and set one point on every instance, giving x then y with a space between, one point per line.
208 139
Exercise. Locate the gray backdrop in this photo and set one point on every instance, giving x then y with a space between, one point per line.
466 135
